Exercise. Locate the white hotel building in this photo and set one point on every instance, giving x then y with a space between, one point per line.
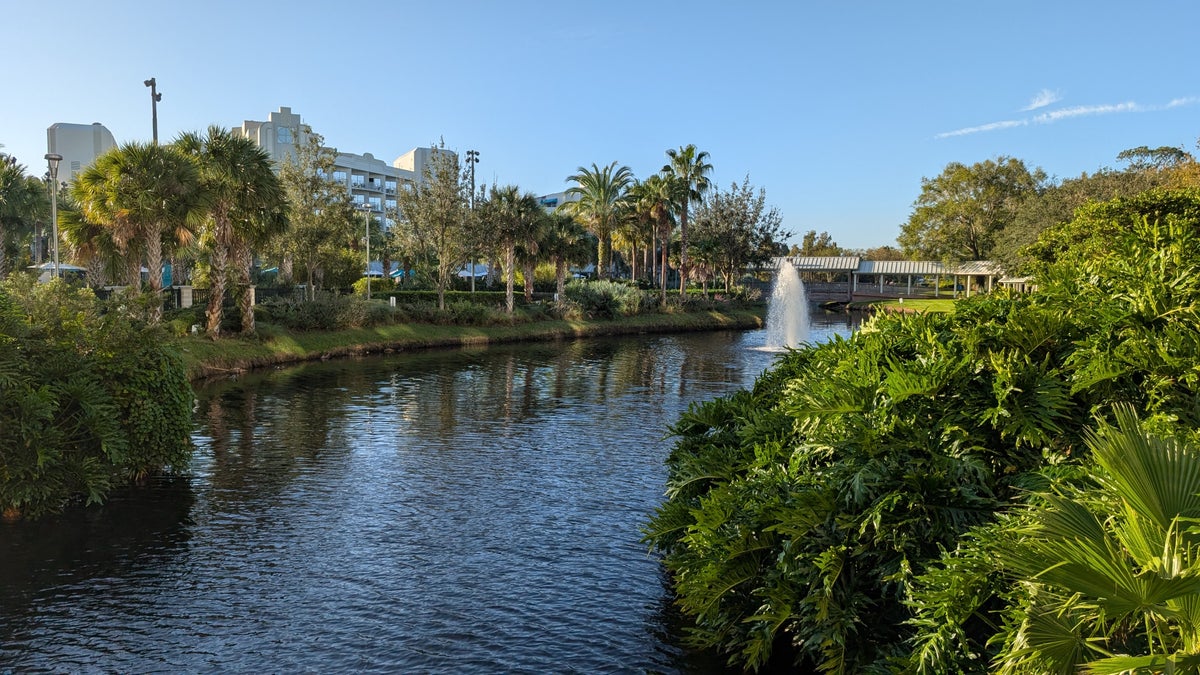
368 179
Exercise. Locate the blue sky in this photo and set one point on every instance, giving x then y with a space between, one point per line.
837 109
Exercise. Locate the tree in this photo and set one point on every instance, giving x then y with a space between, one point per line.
245 206
565 242
436 208
816 245
320 214
512 220
690 168
22 201
660 198
884 252
148 195
735 229
600 206
529 251
1143 158
959 213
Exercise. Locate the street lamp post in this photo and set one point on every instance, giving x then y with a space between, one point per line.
472 160
366 209
155 97
53 158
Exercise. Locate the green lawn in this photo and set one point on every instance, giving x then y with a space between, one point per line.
909 305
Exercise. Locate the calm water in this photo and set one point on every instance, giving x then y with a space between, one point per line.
450 511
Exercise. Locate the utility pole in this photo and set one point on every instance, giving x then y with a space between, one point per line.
155 97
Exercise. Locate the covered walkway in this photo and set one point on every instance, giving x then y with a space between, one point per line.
850 277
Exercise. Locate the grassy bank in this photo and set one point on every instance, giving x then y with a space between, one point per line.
215 358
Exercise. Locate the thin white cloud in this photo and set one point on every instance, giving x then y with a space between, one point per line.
1086 111
993 126
1053 116
1043 98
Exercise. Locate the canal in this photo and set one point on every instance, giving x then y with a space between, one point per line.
443 511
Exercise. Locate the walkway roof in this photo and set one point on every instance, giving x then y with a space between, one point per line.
857 265
824 263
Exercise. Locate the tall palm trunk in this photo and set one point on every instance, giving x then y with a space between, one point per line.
663 267
529 270
245 291
560 279
216 289
604 256
285 269
683 252
510 273
154 265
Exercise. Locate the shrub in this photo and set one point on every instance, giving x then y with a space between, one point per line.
608 299
322 313
87 401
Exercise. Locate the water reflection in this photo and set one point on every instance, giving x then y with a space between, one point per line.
448 511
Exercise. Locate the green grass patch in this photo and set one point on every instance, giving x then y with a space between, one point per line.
937 305
274 346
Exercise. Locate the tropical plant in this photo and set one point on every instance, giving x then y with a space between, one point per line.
566 243
690 168
148 196
1099 573
245 203
512 219
88 400
23 200
659 198
601 200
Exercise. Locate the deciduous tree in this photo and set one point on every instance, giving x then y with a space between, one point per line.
320 214
436 208
960 212
736 229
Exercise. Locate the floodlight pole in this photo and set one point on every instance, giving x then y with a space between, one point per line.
366 209
53 158
472 160
155 97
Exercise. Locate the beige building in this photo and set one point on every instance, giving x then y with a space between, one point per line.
368 179
79 144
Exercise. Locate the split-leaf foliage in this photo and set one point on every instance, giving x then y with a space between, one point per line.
838 515
88 401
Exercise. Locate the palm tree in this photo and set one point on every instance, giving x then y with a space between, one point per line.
147 195
1111 573
690 168
91 245
512 219
22 200
245 209
565 242
601 194
659 197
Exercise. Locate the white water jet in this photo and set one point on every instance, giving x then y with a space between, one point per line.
787 310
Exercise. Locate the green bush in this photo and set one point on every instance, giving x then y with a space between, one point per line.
87 400
609 299
805 515
325 312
